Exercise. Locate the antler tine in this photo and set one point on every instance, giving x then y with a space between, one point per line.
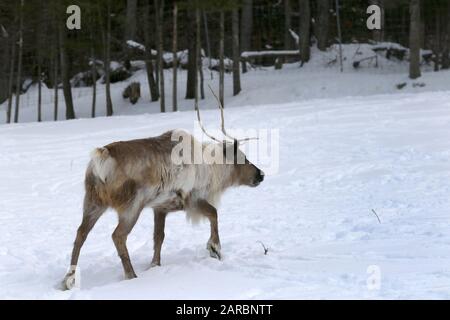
223 120
201 125
222 116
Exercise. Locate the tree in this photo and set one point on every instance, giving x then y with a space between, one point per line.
159 25
11 78
191 67
55 59
322 24
4 52
338 23
198 54
19 63
378 35
236 52
288 44
65 77
246 29
446 50
131 19
130 29
153 86
109 104
175 57
304 30
414 39
221 57
94 78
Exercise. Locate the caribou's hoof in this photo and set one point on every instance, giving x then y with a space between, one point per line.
214 250
155 264
69 281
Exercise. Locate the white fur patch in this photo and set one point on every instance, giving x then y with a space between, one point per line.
103 163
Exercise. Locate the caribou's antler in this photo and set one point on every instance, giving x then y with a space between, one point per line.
222 117
201 125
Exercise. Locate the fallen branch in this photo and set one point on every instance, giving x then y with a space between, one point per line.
264 247
376 215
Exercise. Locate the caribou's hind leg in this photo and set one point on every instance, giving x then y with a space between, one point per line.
158 236
92 210
160 212
127 220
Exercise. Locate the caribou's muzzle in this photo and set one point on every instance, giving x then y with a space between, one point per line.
259 177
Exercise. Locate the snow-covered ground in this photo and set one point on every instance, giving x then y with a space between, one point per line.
351 147
339 159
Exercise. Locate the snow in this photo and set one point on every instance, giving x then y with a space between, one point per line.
295 36
136 45
349 143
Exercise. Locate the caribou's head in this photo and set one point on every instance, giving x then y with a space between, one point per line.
245 172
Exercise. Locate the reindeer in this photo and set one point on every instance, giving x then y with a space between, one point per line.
131 175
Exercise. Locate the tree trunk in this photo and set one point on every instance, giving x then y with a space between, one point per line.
208 44
39 116
67 90
322 24
55 81
130 29
11 79
198 54
175 58
446 51
153 86
19 64
414 39
4 48
246 29
191 67
437 42
109 105
338 22
304 30
288 43
131 19
236 52
94 79
55 58
378 35
221 58
159 27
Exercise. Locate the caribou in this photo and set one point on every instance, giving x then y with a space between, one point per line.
129 176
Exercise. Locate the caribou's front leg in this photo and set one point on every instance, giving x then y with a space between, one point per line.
209 211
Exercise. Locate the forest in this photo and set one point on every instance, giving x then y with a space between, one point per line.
228 36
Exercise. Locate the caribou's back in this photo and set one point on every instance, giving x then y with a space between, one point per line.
137 170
